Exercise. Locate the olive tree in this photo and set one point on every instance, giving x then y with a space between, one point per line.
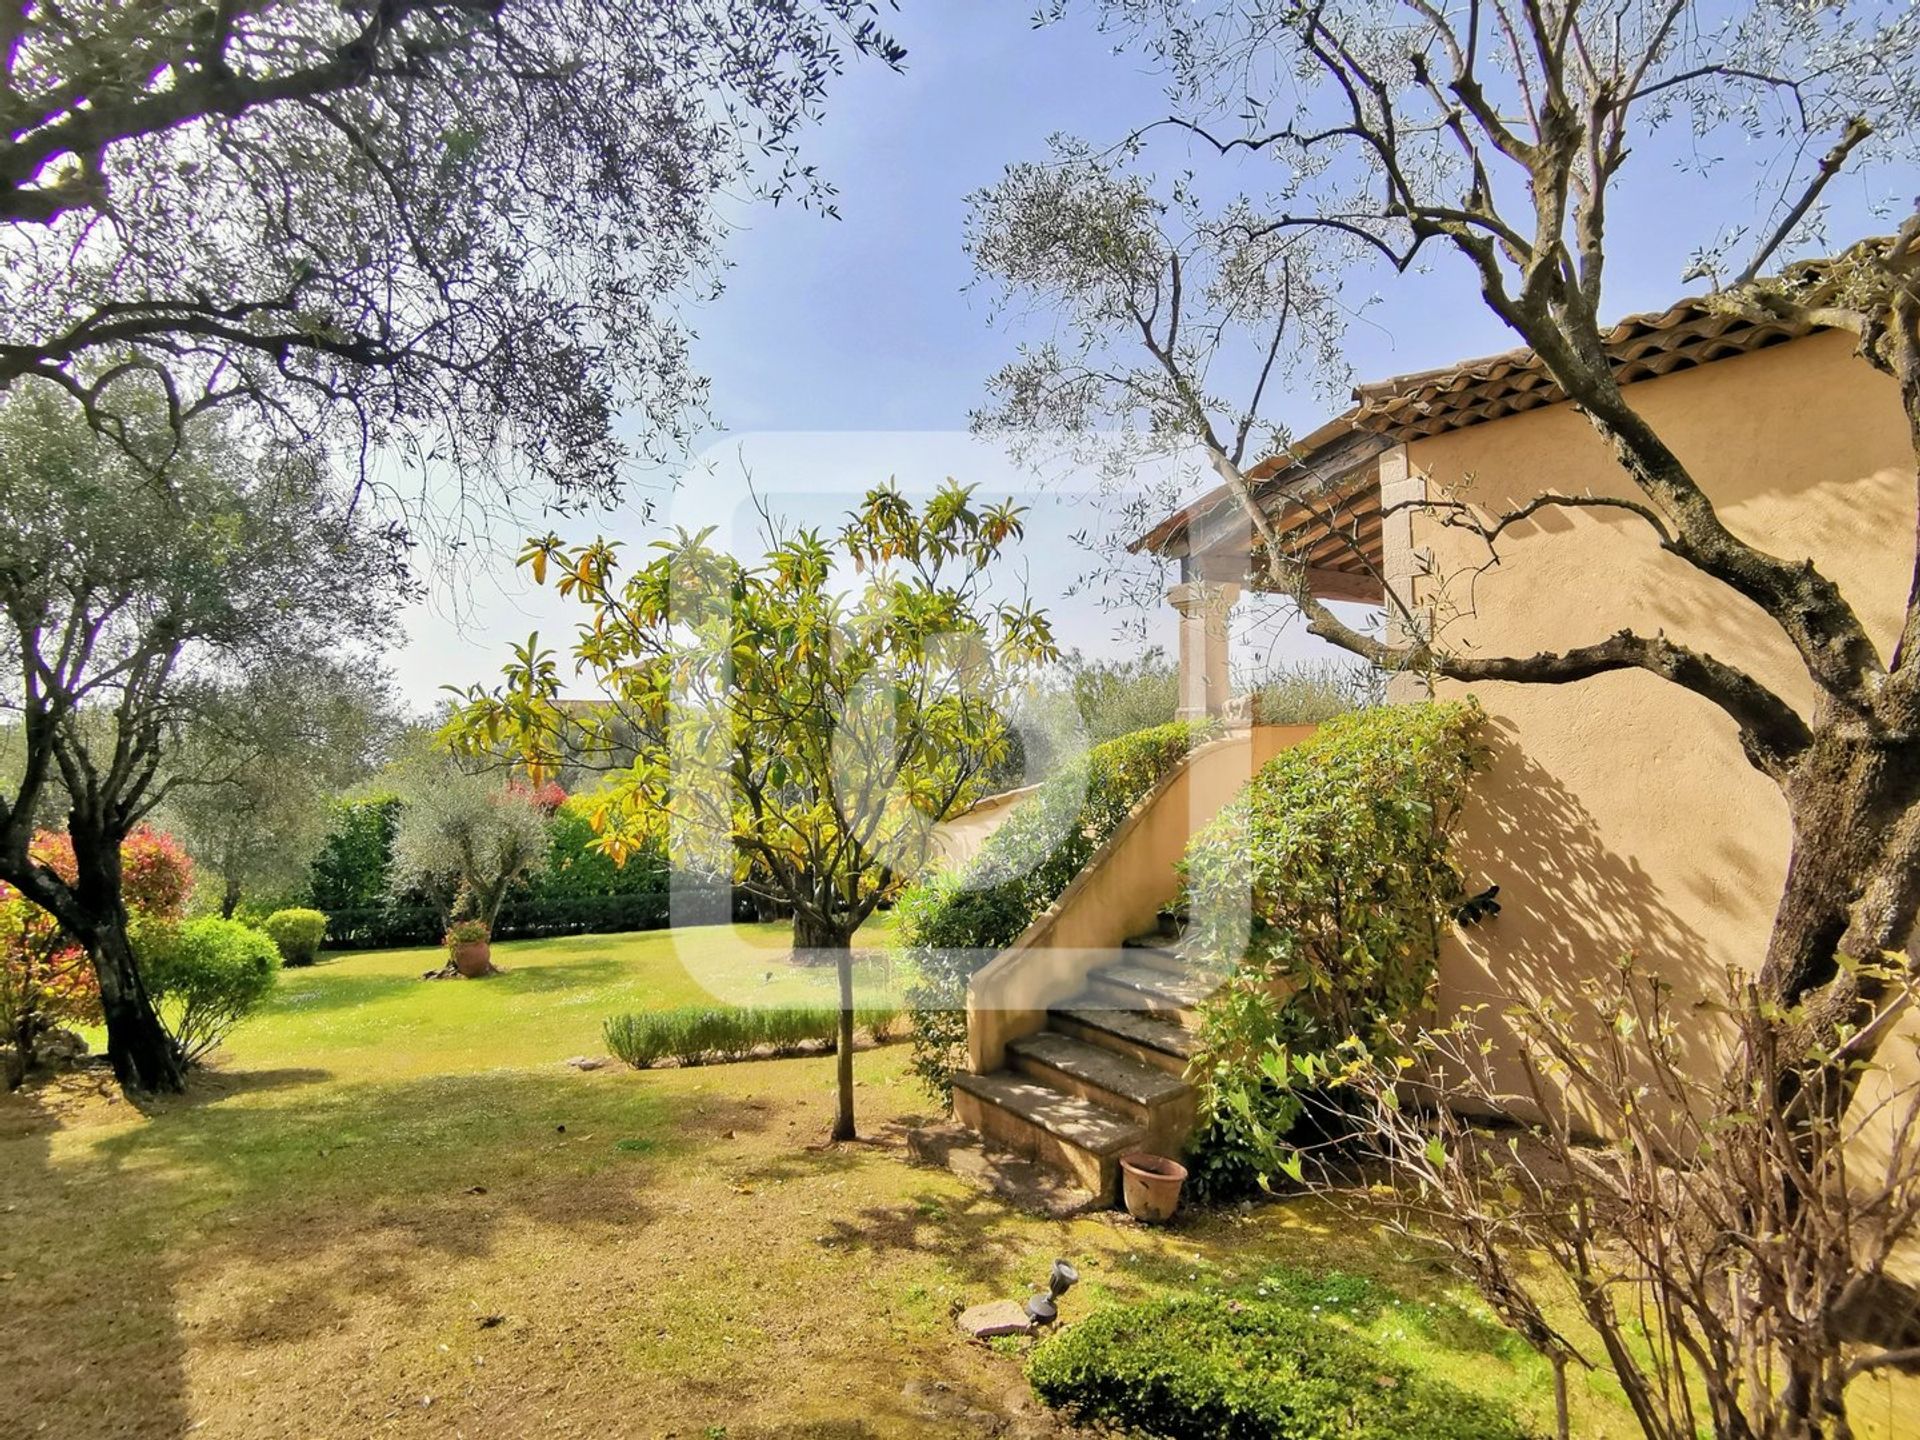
1495 136
804 726
1499 138
455 229
260 763
137 577
463 839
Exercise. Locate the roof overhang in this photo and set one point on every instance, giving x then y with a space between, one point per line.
1321 498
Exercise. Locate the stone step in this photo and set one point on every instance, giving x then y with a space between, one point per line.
1133 1033
1131 984
1082 1068
1152 950
1049 1125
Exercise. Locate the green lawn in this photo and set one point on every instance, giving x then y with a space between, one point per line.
369 1012
392 1208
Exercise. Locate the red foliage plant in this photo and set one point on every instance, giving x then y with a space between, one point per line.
43 973
546 797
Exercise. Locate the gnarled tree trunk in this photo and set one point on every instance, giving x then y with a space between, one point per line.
143 1055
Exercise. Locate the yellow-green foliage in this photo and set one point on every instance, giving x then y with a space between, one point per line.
206 976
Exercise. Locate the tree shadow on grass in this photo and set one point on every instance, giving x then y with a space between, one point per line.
262 1210
987 1245
586 973
67 1310
348 992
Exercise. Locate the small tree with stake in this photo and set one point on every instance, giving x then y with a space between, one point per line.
808 726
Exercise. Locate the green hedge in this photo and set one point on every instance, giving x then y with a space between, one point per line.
711 1034
579 891
1342 847
298 932
523 917
352 869
952 922
1213 1368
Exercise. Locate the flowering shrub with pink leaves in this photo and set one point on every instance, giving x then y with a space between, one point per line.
46 978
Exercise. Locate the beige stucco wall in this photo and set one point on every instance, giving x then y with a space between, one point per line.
1117 894
1619 815
958 838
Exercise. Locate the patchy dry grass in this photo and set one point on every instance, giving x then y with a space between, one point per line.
395 1211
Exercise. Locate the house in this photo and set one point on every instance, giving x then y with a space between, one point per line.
1618 815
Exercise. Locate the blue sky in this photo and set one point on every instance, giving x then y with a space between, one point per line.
864 324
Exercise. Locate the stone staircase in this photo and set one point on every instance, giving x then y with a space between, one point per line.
1106 1075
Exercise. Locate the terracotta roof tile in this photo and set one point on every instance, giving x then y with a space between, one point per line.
1688 333
1474 391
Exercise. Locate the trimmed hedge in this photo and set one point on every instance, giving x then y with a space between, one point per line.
298 933
579 891
951 923
351 871
716 1034
1213 1368
1341 848
379 927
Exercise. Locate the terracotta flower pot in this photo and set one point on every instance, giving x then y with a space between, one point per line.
473 959
1150 1185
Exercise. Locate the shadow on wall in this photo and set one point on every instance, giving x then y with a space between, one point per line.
1571 910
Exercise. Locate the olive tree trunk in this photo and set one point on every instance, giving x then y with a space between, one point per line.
143 1055
1851 895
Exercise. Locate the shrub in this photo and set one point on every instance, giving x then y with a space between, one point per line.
708 1034
1342 845
45 978
1312 692
156 877
205 976
640 1040
353 868
1116 698
579 891
577 870
952 922
1213 1368
298 933
882 1022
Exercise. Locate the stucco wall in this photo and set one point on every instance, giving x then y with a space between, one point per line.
1619 815
1117 894
958 838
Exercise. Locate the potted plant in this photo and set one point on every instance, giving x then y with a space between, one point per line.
469 942
1150 1185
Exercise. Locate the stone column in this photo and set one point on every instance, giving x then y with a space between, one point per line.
1203 611
1401 485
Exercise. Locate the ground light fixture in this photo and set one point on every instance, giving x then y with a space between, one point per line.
1045 1309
